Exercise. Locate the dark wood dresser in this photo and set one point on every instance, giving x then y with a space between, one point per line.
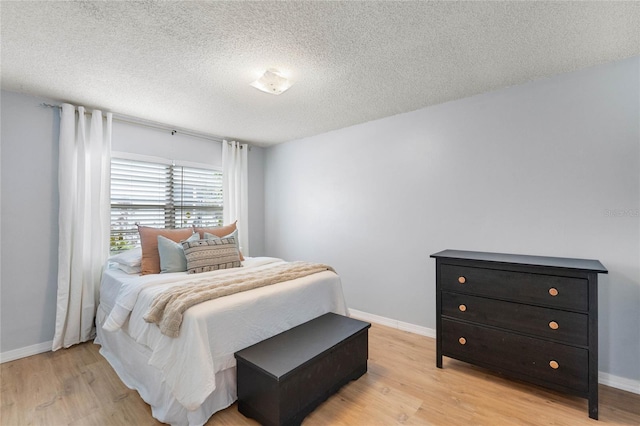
532 318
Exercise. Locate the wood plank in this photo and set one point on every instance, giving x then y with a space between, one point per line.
76 386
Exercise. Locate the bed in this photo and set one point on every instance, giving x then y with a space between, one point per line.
186 379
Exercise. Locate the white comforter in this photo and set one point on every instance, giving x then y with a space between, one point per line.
212 331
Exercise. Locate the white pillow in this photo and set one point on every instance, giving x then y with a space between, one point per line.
128 269
130 258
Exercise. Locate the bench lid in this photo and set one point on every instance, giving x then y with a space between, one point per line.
291 349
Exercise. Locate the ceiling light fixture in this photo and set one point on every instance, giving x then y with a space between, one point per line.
272 82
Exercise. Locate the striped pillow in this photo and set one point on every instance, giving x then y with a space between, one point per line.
211 255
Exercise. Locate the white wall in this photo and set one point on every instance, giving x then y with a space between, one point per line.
29 200
547 168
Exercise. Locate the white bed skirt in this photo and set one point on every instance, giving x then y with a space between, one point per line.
187 379
130 362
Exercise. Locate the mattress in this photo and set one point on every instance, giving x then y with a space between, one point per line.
198 366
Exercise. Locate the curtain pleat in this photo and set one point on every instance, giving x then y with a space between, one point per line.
235 189
83 184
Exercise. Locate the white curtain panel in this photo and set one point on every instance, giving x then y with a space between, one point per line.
234 189
84 220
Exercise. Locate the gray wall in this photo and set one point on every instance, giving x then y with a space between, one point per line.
256 201
547 168
143 140
29 200
29 221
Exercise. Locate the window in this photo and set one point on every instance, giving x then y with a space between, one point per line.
161 195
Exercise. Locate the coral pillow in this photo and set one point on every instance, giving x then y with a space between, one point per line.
218 231
149 241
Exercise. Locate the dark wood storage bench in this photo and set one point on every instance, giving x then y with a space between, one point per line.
284 378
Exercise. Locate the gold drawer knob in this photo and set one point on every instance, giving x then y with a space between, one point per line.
462 341
554 364
553 291
462 308
553 325
462 280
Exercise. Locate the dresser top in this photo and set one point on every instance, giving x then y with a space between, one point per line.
554 262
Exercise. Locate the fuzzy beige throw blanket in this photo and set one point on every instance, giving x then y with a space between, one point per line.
168 307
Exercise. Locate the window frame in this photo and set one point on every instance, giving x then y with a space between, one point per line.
170 207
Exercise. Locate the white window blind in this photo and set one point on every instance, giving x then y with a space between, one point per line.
162 196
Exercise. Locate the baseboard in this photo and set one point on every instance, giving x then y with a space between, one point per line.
607 379
618 382
404 326
26 351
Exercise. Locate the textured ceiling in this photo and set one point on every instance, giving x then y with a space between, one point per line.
189 64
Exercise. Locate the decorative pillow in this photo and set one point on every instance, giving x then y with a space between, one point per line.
208 236
234 234
210 255
149 240
172 255
218 231
206 233
129 258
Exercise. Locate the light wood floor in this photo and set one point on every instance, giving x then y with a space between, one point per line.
78 387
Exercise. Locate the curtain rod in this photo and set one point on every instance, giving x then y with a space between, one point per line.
154 125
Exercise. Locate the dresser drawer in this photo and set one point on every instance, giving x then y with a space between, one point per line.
547 290
562 326
555 363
